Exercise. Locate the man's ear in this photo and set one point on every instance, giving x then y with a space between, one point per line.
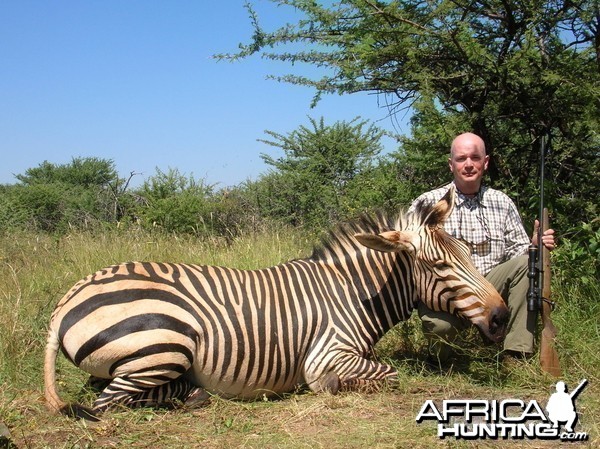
390 241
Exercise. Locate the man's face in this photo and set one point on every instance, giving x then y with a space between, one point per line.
468 163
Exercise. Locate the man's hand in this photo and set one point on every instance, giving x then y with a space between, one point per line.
547 237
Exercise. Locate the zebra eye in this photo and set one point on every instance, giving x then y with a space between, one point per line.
442 265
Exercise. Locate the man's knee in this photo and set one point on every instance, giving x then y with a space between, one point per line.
435 326
521 268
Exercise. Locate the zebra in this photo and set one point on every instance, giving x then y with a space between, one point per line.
166 334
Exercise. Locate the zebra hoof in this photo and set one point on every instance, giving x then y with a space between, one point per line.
197 399
330 383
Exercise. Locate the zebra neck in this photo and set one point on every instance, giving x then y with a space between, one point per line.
382 290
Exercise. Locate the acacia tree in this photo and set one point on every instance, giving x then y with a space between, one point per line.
85 172
508 70
57 196
319 178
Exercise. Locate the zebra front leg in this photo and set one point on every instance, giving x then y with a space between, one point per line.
348 372
365 375
135 393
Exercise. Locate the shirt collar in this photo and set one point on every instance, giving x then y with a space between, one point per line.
479 198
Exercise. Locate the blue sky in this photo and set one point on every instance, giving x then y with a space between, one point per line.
134 81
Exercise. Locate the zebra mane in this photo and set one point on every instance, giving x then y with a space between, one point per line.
340 240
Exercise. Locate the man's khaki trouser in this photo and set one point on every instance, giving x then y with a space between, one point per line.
511 281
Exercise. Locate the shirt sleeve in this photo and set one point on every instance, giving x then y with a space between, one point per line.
516 239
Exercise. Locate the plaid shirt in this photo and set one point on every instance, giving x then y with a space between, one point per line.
488 222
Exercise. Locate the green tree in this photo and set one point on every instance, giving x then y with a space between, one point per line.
86 172
316 181
511 71
54 197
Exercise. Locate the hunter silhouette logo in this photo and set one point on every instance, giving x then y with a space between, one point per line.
561 405
508 418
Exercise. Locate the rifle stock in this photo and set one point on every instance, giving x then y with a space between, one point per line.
548 355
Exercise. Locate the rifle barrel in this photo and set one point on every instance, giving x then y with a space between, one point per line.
577 390
541 228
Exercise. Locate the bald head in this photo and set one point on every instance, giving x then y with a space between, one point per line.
468 140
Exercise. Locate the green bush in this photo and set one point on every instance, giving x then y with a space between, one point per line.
51 207
577 258
175 203
54 198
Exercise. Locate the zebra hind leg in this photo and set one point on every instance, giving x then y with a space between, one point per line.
134 394
330 382
96 384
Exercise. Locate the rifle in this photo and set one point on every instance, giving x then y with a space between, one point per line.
577 390
538 296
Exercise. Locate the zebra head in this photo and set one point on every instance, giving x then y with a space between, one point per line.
444 275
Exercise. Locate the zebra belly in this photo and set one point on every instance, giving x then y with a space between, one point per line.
250 384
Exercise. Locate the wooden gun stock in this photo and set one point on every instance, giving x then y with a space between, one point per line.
548 354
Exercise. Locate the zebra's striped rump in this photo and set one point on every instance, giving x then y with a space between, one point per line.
159 333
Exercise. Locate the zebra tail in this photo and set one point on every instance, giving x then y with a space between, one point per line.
53 400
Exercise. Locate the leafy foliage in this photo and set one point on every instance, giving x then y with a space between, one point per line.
174 202
84 172
55 197
322 175
507 70
577 259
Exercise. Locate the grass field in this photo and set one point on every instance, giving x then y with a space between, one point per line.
36 270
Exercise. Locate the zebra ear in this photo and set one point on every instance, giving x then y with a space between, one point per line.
390 241
441 210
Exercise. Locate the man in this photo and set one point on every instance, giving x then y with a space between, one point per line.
489 222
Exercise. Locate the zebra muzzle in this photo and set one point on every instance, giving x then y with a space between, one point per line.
498 322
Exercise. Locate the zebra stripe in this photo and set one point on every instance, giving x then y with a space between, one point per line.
158 332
